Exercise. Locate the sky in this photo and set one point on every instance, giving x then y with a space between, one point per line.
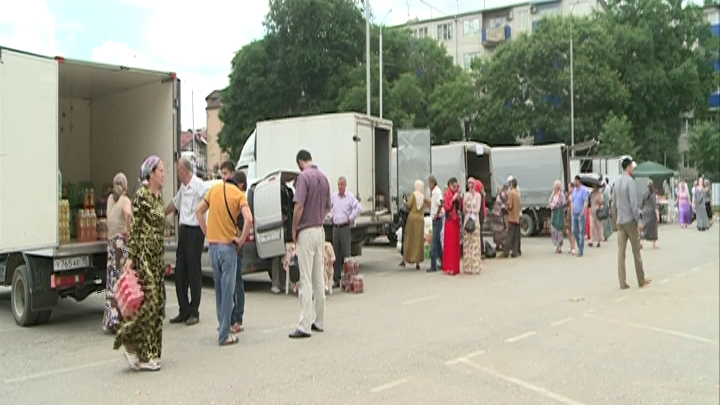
196 39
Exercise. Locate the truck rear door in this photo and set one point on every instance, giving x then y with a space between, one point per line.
267 215
414 160
28 151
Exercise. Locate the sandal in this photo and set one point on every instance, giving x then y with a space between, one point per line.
237 328
231 340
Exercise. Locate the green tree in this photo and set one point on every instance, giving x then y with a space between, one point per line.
450 104
665 73
704 140
525 86
616 137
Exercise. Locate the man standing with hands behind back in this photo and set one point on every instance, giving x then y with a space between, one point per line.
514 207
345 210
188 273
628 223
312 204
436 213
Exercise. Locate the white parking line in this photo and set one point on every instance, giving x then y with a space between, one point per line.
562 321
389 385
465 357
524 384
661 330
683 274
663 281
415 301
60 371
520 337
621 299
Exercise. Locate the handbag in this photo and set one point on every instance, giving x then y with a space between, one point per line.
470 224
602 213
128 294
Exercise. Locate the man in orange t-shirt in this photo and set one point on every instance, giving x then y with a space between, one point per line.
224 202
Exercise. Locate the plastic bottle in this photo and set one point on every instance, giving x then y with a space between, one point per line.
93 225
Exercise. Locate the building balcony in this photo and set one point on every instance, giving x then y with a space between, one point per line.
714 101
494 36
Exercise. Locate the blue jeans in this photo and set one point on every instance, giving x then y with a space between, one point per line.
578 228
239 299
436 248
223 258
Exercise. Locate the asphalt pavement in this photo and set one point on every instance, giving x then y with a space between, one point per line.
540 329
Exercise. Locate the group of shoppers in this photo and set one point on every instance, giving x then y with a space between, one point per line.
697 200
135 241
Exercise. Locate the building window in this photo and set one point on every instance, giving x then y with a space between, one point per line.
445 32
471 28
522 21
498 22
468 58
421 32
551 11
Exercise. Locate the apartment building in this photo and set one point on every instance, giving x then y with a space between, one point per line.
477 33
215 155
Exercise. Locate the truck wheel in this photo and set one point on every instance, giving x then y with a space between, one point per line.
356 249
527 225
43 316
392 237
20 297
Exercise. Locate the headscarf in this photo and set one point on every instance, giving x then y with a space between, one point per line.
419 195
472 187
147 167
120 184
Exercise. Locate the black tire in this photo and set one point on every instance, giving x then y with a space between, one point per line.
356 249
20 297
527 225
43 316
392 237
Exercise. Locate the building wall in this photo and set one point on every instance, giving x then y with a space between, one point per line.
465 39
214 154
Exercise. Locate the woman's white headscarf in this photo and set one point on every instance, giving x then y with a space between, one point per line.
419 195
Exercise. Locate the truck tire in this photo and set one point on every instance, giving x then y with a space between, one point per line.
527 225
43 317
392 237
356 249
20 297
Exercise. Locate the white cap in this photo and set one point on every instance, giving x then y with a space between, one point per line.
510 177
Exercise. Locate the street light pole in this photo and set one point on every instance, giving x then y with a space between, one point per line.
381 62
572 85
367 54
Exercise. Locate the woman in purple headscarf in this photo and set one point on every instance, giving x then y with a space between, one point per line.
141 336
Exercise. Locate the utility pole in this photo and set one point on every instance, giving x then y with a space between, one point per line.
367 54
572 86
381 61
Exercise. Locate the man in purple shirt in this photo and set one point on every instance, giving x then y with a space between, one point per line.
345 210
312 204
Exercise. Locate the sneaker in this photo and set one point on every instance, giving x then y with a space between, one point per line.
275 290
131 359
152 365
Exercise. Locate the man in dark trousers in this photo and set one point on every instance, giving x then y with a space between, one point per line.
514 207
345 210
188 271
236 321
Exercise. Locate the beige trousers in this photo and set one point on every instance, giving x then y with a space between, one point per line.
310 250
630 232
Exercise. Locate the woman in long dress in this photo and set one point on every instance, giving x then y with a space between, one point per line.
499 224
452 203
607 222
557 215
649 211
684 206
472 250
119 214
596 227
414 232
141 336
703 222
568 218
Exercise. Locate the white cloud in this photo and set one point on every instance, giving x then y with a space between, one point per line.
28 25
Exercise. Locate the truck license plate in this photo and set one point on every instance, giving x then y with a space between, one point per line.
71 263
269 236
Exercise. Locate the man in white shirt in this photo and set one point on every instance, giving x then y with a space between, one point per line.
345 210
188 270
436 213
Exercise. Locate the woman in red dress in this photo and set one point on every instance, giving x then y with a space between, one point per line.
453 207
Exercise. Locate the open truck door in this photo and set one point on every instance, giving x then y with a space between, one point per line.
272 211
28 123
414 159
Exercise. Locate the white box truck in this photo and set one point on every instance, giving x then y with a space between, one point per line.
88 121
353 145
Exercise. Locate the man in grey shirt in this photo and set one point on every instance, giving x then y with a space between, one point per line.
628 223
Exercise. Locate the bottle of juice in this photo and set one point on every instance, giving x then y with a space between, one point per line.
93 225
79 226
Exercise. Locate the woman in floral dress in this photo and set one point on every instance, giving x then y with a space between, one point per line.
141 336
557 216
498 216
472 249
